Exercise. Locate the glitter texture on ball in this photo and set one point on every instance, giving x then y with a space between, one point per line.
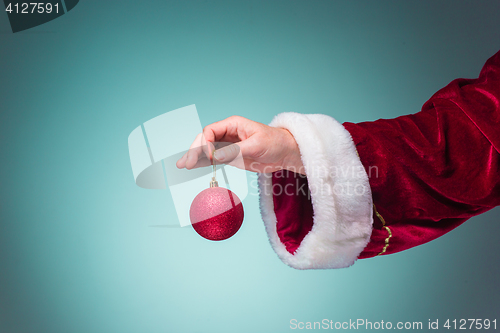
216 213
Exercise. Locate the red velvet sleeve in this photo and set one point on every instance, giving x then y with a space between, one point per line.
431 171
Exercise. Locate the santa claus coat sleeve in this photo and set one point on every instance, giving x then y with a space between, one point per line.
382 187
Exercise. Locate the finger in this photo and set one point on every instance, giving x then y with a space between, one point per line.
181 163
193 155
250 148
232 129
230 155
194 152
199 146
227 154
208 148
238 154
202 162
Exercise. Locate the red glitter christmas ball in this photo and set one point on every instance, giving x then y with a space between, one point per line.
216 213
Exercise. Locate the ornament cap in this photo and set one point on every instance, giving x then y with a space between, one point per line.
214 183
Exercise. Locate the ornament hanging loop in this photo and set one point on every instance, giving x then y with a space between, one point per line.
213 182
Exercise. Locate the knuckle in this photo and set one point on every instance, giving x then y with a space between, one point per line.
236 118
234 149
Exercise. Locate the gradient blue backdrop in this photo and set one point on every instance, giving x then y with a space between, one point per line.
77 253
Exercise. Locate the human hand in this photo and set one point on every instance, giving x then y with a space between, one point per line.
264 149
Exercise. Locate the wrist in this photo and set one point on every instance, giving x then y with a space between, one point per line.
293 159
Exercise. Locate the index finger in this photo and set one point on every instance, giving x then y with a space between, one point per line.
227 130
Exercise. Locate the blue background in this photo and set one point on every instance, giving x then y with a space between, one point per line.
77 253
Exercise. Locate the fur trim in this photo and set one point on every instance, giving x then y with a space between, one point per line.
340 194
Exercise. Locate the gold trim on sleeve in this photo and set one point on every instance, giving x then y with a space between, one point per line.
386 228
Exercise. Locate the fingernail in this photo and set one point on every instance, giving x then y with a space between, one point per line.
219 155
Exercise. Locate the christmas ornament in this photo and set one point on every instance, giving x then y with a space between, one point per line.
216 213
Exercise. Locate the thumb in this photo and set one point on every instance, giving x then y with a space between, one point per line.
228 153
235 153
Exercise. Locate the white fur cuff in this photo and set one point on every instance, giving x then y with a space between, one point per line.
340 193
